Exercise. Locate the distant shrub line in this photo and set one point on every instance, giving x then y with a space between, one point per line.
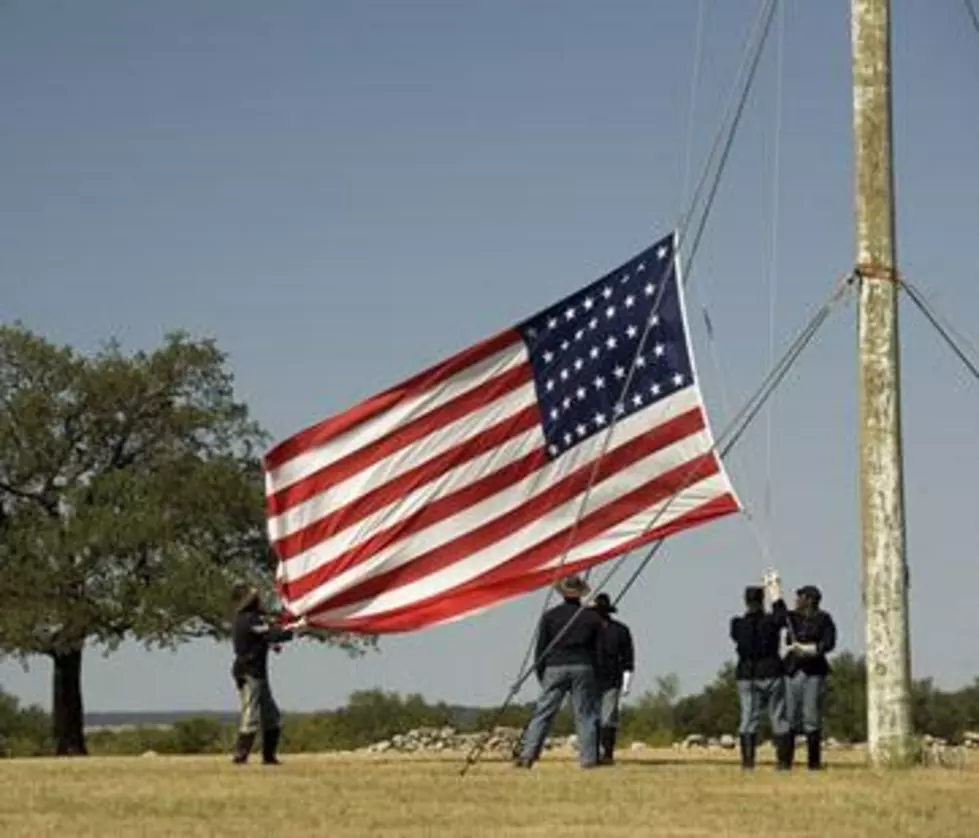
659 717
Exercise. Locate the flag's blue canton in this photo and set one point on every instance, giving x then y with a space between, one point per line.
583 348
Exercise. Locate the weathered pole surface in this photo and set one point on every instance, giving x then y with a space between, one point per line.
885 577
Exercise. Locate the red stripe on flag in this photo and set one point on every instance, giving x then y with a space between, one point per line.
537 507
432 513
668 485
471 597
401 486
403 436
322 432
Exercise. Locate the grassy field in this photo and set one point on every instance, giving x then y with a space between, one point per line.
654 793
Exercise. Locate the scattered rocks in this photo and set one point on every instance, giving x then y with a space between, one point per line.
936 751
503 741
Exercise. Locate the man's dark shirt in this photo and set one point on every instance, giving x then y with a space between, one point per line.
251 642
578 645
756 638
817 628
617 655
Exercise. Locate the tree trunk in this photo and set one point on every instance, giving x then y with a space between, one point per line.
67 711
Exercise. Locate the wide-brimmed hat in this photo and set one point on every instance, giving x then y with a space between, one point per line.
573 586
603 605
243 594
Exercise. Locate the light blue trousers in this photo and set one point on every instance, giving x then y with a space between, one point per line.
558 681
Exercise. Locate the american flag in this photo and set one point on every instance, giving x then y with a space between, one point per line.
511 464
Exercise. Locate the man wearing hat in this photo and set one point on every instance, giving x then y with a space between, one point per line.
812 636
252 635
614 672
756 635
567 653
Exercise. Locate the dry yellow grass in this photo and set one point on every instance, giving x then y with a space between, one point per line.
655 793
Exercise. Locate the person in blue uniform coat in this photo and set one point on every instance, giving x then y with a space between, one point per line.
812 636
759 672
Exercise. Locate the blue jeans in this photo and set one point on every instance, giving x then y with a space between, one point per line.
558 681
755 696
805 695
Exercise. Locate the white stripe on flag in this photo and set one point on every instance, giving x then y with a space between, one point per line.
363 435
404 508
445 437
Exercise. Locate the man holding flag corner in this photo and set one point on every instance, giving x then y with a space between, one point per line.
253 635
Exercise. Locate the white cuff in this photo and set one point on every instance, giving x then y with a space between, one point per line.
626 678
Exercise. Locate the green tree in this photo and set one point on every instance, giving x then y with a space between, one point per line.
376 715
846 698
651 720
24 731
131 496
714 711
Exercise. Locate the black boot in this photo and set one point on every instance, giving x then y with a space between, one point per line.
243 747
270 741
785 751
608 744
748 744
814 747
604 756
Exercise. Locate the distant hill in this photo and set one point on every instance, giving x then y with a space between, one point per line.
115 721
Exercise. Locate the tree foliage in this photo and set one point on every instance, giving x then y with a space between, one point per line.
131 496
24 731
130 493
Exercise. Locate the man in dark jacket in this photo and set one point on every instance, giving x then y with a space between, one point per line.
615 668
761 685
567 653
252 635
812 635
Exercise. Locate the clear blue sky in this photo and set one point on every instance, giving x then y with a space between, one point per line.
344 192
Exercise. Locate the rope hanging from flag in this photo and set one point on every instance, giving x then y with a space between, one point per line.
517 461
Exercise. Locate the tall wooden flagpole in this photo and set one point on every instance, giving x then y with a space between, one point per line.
885 576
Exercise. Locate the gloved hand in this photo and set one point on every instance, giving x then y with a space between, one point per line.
297 625
772 583
626 678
